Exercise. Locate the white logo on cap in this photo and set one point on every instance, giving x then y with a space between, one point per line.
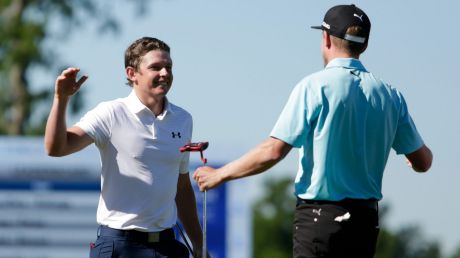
360 17
327 26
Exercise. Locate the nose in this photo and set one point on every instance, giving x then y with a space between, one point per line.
164 71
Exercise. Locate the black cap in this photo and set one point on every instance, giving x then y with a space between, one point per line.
341 17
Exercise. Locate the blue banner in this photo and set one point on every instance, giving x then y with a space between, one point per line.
216 218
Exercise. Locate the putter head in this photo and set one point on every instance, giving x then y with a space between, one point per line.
194 146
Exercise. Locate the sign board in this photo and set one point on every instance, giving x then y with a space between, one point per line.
49 205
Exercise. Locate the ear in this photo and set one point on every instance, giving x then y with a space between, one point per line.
365 47
131 73
327 40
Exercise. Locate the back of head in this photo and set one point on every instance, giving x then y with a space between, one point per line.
140 47
350 47
349 26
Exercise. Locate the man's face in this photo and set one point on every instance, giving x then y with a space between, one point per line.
154 76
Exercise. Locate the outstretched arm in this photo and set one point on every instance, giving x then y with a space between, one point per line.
59 140
420 160
256 161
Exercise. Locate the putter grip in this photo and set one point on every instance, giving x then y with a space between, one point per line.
194 146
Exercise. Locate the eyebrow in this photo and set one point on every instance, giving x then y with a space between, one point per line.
162 62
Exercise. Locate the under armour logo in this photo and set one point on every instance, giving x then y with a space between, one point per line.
175 134
358 16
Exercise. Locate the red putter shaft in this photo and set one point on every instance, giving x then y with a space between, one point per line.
195 147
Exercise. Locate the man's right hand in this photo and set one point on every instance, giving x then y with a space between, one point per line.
66 83
60 140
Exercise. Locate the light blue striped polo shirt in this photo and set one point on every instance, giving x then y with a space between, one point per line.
345 122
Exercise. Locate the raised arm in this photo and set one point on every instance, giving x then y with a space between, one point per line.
420 160
60 141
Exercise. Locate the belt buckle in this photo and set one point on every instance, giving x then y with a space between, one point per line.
153 237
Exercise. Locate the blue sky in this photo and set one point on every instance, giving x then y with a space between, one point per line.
235 63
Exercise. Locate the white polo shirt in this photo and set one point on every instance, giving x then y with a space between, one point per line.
140 161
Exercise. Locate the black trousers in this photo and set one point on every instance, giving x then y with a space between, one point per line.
345 229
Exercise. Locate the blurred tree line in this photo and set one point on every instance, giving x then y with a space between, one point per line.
26 29
272 221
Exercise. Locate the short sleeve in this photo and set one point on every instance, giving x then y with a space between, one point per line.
184 163
185 160
292 125
407 139
97 123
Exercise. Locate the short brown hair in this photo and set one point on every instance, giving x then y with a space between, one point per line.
140 47
352 48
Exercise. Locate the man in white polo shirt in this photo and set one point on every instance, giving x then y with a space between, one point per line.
145 183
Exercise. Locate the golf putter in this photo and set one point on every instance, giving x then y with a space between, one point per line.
195 147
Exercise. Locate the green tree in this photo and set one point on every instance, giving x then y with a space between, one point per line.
25 25
406 242
272 220
456 253
273 215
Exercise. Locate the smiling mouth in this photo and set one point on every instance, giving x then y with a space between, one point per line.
161 84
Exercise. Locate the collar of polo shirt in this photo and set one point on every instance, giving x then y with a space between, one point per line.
347 63
136 106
